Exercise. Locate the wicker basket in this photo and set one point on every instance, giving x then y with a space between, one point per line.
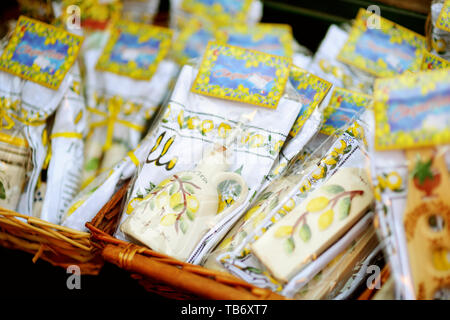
168 277
53 243
58 245
161 274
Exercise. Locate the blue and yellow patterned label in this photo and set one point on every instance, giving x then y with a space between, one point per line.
224 12
311 89
343 107
443 21
40 52
135 50
412 110
193 39
265 37
243 75
433 62
385 51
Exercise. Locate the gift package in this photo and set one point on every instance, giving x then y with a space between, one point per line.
217 142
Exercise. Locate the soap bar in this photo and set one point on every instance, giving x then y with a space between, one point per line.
324 216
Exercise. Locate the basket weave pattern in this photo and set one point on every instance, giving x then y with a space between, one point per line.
55 244
162 274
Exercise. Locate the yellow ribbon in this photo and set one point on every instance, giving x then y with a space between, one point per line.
110 119
74 135
133 158
5 118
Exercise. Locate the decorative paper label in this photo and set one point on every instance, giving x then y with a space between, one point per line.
432 62
311 89
344 105
266 37
224 12
40 52
135 49
93 14
412 110
443 21
385 51
193 40
242 75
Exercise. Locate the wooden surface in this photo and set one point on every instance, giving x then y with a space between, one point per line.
421 6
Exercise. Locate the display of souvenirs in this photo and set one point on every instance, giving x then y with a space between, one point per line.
214 141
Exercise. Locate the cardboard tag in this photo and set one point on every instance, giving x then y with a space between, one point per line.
265 37
432 62
412 110
224 12
443 21
135 50
243 75
311 89
384 50
40 52
344 105
193 39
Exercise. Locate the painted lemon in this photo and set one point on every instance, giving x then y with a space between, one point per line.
289 205
319 173
175 200
192 203
168 220
252 211
317 204
283 231
326 219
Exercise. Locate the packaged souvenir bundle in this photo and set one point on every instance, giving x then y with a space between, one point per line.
221 131
129 83
383 50
439 37
281 235
35 76
63 175
311 90
410 170
325 64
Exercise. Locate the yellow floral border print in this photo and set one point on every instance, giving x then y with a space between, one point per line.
217 12
252 58
343 95
52 35
397 33
143 31
305 80
423 82
443 21
259 31
192 26
433 62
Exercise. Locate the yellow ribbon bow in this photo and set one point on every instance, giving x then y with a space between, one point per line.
111 118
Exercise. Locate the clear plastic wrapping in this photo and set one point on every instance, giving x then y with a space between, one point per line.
189 142
281 201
